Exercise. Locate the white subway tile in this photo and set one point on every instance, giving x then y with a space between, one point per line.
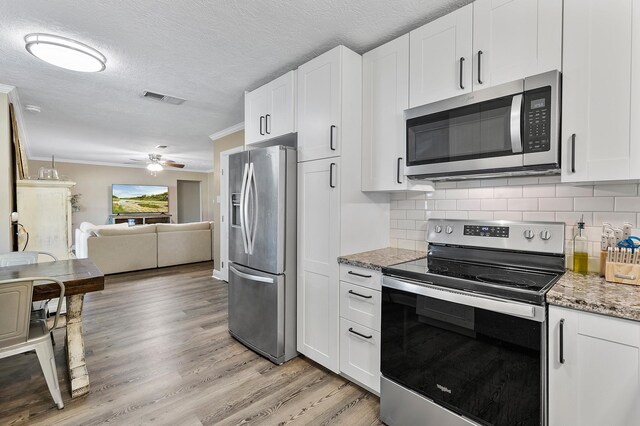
628 189
407 224
428 205
394 204
456 215
445 204
468 204
416 195
504 215
469 184
539 216
627 204
445 185
616 219
481 193
557 204
407 244
432 214
507 192
571 218
416 235
593 204
398 233
436 195
480 215
523 204
394 224
494 182
398 214
564 190
398 195
415 214
393 242
421 225
524 181
406 204
493 204
549 179
538 191
457 194
421 245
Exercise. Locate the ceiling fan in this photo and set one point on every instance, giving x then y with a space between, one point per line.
156 163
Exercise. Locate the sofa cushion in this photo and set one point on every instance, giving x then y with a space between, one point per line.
113 231
92 229
173 227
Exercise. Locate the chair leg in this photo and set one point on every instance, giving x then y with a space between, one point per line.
44 350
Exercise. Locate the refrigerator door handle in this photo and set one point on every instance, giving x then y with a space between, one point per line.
254 192
251 277
250 225
243 208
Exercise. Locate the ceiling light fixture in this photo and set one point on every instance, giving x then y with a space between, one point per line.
32 108
65 53
154 167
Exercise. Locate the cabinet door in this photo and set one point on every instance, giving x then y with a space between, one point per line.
385 96
514 39
360 354
318 246
596 89
319 110
256 105
440 60
598 382
281 116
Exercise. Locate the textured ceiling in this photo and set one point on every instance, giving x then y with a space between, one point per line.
207 52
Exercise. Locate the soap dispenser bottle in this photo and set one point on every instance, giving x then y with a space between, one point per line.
580 250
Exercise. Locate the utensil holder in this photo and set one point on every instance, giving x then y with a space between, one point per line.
623 273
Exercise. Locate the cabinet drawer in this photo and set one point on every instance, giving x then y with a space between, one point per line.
361 276
360 354
360 304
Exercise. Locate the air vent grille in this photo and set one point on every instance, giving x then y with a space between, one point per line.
162 98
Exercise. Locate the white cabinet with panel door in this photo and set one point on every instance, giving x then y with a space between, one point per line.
514 39
270 110
594 369
601 90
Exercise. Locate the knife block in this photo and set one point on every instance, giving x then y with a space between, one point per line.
623 273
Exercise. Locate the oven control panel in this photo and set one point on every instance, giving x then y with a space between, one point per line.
486 231
537 120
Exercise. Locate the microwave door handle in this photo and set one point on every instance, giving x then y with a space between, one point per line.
243 208
515 124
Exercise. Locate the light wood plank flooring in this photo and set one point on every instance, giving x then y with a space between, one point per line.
158 351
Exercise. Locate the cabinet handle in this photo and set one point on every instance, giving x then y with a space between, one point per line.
398 172
573 153
331 184
360 295
461 71
266 124
562 341
357 274
261 119
333 148
351 330
479 66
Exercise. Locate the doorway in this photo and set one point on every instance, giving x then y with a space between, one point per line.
189 205
224 209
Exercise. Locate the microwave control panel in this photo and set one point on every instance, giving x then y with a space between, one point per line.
537 120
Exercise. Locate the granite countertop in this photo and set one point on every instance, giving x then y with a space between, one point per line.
378 259
592 293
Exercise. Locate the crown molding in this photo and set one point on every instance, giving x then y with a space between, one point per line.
108 164
227 131
6 89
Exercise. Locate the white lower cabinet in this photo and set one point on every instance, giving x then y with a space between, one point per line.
594 369
360 354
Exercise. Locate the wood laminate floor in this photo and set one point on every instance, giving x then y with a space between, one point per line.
158 352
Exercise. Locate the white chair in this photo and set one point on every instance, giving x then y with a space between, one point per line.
19 334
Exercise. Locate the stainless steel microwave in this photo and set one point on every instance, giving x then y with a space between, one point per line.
508 130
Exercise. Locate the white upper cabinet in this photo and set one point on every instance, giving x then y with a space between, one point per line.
440 60
270 110
385 96
600 93
319 106
513 39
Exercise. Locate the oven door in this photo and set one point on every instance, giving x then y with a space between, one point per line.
480 357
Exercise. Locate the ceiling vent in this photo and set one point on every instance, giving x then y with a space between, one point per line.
162 98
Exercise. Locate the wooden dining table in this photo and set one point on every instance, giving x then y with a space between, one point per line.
80 276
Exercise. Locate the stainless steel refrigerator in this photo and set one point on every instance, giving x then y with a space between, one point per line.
262 251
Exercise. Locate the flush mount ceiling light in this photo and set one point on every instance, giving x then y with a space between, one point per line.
65 53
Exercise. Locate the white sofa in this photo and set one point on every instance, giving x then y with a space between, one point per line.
121 248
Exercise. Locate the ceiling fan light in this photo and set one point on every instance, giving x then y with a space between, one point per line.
154 167
65 53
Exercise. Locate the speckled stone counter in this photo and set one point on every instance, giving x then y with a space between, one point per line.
377 259
592 293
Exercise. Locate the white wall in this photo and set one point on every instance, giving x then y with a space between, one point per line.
529 199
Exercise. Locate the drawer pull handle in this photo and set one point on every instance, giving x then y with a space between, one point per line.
360 295
626 276
351 330
359 275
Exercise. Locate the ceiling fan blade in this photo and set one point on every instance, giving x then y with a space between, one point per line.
172 164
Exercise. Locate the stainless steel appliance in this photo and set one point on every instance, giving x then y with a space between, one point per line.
464 330
262 251
507 130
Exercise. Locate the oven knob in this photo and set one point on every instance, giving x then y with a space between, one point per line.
449 229
438 229
528 234
545 235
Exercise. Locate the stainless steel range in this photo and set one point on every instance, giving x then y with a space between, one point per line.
464 331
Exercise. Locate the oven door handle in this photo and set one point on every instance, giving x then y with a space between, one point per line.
515 124
515 309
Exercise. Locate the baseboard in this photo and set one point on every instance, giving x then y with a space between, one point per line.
217 275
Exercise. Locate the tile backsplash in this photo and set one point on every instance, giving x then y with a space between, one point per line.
528 199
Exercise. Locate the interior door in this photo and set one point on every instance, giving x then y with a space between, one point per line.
256 309
267 183
238 170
